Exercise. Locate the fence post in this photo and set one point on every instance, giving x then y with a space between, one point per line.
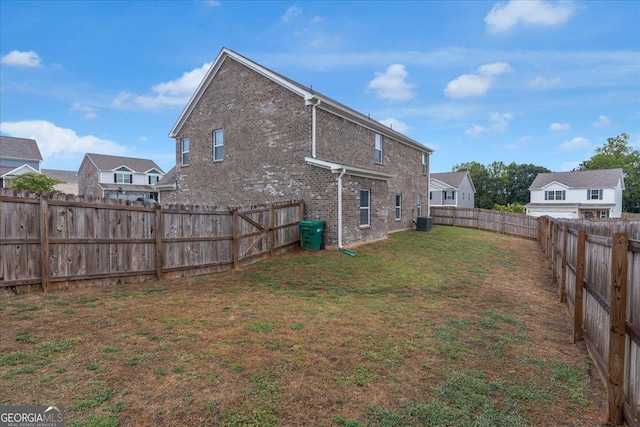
159 248
272 233
554 254
235 246
617 337
563 279
44 243
579 286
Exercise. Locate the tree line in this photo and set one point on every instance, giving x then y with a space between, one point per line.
502 186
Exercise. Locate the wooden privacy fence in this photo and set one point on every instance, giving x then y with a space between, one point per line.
483 219
51 241
597 268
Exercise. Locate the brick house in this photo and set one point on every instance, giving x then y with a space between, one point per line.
117 177
250 135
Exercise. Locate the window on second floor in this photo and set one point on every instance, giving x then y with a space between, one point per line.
153 179
424 163
184 150
122 178
594 194
218 145
378 149
398 206
555 195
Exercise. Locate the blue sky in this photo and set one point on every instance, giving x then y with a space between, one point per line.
537 82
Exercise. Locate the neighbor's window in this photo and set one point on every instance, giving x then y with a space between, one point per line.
122 178
398 207
594 194
218 145
153 179
184 147
603 214
555 195
424 163
365 208
378 149
419 210
450 195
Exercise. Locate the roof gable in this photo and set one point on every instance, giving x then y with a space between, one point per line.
106 163
597 178
453 179
19 148
310 96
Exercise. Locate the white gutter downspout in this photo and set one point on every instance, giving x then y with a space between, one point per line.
340 208
313 131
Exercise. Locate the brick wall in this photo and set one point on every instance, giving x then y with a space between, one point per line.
267 134
89 179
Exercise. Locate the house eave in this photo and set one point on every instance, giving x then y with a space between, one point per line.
349 170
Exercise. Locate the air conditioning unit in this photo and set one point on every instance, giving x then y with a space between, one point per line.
424 223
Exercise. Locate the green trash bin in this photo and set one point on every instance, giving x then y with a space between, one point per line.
311 234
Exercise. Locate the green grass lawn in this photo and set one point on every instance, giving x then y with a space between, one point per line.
454 327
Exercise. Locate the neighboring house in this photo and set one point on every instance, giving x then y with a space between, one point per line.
451 189
250 136
166 185
118 177
579 194
69 180
18 156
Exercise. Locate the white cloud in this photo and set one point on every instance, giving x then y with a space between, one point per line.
602 122
56 141
212 3
476 84
543 83
143 138
395 124
317 20
498 122
169 94
504 16
578 143
291 13
557 127
392 84
89 112
511 147
21 59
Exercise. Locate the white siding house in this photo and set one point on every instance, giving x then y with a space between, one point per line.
578 194
451 189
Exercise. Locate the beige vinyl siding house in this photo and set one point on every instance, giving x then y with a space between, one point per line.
250 135
578 194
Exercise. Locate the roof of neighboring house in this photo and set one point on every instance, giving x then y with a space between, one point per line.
168 180
105 162
311 97
70 177
453 179
597 178
19 148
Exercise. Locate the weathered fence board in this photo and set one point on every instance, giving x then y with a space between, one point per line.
114 241
599 276
501 222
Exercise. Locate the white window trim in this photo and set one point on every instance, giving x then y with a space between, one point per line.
378 147
424 163
367 208
398 208
118 175
183 151
213 136
419 206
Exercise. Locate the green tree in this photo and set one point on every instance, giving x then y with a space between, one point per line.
519 179
618 153
35 182
481 181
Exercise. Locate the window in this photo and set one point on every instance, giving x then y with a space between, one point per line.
398 207
419 210
449 195
378 149
603 214
554 195
153 179
594 194
184 149
424 163
122 178
218 145
365 208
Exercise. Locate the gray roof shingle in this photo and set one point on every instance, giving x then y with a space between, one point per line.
453 179
597 178
106 163
70 177
19 148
